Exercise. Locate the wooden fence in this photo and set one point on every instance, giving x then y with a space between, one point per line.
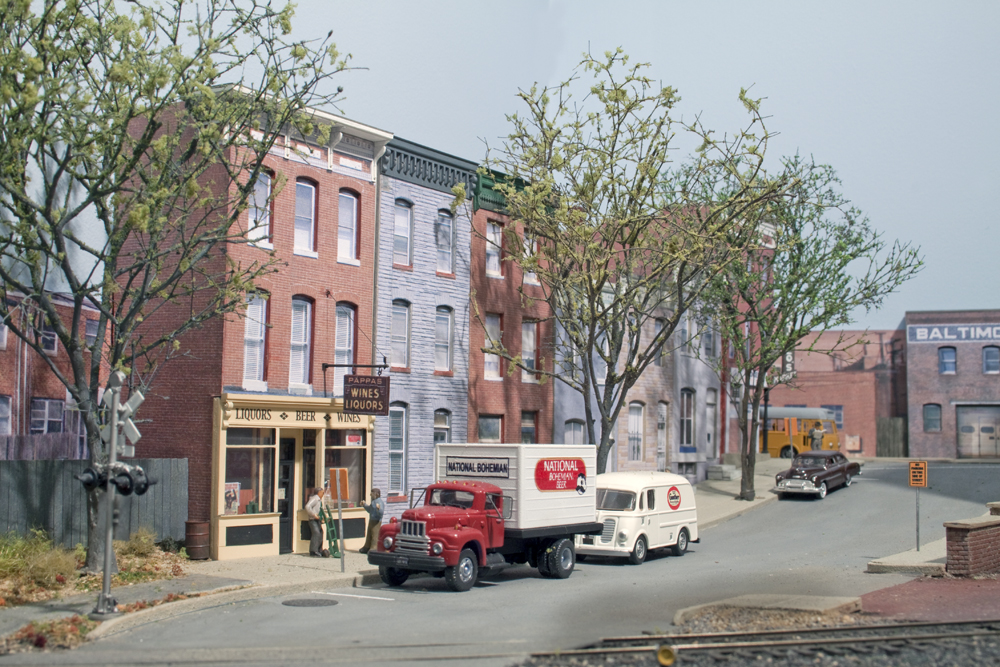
42 447
44 494
890 437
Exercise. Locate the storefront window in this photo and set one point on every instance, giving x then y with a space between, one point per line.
346 449
249 471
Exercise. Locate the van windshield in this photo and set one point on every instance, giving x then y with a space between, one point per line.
618 501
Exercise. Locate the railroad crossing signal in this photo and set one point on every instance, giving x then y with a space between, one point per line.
918 474
125 412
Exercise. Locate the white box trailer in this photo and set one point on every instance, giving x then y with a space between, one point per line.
551 485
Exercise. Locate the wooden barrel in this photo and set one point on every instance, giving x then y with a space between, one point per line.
196 539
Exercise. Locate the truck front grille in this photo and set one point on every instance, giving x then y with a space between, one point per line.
608 533
412 538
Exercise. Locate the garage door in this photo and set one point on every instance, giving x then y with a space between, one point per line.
978 428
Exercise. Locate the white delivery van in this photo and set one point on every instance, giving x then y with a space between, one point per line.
641 511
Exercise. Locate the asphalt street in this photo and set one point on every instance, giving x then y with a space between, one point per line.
796 546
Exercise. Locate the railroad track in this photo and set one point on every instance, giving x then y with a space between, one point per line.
867 643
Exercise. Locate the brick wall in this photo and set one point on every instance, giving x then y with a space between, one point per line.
973 546
508 396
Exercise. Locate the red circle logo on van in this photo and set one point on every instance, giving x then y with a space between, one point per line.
673 497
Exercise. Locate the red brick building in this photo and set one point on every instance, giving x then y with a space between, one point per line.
33 401
505 406
862 383
250 404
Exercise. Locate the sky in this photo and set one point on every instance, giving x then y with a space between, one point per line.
901 98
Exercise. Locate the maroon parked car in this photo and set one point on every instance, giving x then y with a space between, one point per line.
816 472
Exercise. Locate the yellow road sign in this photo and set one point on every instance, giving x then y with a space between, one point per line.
918 474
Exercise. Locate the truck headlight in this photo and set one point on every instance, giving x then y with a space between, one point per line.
387 543
437 548
622 536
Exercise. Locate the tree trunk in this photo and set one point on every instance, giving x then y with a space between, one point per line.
97 522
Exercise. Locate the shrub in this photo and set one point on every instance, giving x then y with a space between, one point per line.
141 543
33 558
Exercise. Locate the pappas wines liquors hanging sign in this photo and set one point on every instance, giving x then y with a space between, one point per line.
366 395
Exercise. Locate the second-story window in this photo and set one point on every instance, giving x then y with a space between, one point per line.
347 227
442 426
46 416
991 359
530 250
443 240
494 248
345 345
5 415
259 210
90 331
661 354
687 421
402 234
636 426
947 360
529 351
442 339
48 339
305 216
494 336
301 342
254 340
400 334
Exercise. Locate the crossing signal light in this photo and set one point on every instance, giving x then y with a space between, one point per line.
91 479
142 481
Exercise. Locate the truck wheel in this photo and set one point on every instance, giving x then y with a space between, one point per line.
462 575
561 559
682 543
638 554
543 563
393 576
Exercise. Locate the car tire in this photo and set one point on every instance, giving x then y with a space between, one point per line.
462 575
781 496
681 547
786 452
638 554
562 557
393 576
848 480
822 491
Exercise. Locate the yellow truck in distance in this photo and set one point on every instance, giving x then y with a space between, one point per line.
788 430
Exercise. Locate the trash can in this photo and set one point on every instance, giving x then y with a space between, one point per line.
197 537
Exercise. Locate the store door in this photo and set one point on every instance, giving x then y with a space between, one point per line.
286 494
978 429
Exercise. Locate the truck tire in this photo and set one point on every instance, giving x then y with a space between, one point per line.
682 543
543 562
561 559
638 554
462 575
393 576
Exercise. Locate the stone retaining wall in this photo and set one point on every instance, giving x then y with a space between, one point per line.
974 544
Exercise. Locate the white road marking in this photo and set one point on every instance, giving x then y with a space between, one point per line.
363 597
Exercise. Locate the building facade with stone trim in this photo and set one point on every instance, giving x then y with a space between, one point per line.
696 412
423 316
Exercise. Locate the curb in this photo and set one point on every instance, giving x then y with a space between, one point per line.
929 569
749 507
224 596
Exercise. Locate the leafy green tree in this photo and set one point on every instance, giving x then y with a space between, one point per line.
621 242
131 137
816 261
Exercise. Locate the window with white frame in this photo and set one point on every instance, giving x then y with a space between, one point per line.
259 210
600 365
443 230
305 216
494 336
442 426
48 339
662 409
344 353
402 233
530 250
5 428
254 341
529 351
46 416
932 417
301 343
443 325
661 354
687 420
398 427
90 331
991 359
494 249
490 428
529 427
574 433
400 334
3 336
947 360
636 419
708 342
347 226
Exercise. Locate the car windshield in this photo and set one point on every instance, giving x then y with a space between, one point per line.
451 498
809 462
619 501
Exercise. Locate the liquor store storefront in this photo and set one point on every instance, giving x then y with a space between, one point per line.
268 451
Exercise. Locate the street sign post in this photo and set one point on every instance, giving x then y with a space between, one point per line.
918 480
